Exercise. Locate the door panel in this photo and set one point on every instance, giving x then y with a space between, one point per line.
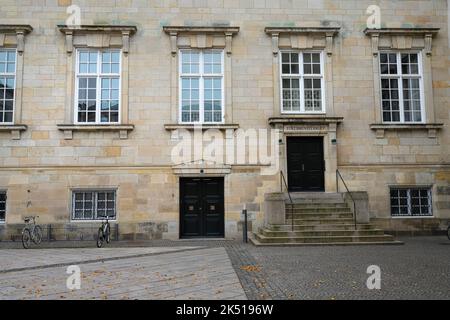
201 207
191 208
305 163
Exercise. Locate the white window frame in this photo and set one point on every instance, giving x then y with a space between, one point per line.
399 76
3 221
301 77
14 75
408 190
201 75
98 75
94 213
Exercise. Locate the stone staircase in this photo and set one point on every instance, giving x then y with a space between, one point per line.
319 219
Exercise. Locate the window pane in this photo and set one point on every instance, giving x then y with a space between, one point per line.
416 202
389 99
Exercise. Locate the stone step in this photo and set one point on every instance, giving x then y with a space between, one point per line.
320 233
321 239
317 215
256 242
313 227
316 196
316 221
316 205
319 210
315 201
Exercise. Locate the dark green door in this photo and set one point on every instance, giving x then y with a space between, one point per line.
202 207
306 164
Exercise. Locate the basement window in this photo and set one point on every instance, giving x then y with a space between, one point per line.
411 202
93 204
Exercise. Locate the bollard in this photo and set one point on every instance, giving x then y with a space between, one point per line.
244 228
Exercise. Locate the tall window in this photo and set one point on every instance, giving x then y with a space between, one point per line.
2 206
93 205
411 202
401 86
302 82
201 86
98 86
7 84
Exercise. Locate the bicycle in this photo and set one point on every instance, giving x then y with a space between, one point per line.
31 232
104 233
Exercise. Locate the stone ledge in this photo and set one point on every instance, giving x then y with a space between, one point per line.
14 28
68 129
201 29
402 31
302 30
309 119
101 28
15 130
432 128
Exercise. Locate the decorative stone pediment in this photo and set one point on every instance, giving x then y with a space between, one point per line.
401 38
14 35
302 38
203 37
306 125
98 36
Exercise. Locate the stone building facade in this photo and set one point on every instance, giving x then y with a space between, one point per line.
90 114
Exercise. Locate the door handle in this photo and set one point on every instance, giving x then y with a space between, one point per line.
303 167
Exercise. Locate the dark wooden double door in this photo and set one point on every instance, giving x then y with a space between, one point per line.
306 165
202 213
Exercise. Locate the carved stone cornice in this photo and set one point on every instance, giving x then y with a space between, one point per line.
123 31
20 30
202 36
303 37
401 38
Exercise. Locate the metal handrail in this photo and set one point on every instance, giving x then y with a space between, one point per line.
338 174
283 180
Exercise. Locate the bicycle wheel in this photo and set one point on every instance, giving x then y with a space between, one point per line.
100 238
448 233
108 234
37 236
26 238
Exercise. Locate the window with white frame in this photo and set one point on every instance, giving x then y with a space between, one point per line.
93 204
302 82
97 86
411 202
2 206
401 87
7 85
201 86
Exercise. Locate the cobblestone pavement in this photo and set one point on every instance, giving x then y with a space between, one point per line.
419 269
145 273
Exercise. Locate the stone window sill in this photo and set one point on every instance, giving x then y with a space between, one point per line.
15 130
122 129
380 128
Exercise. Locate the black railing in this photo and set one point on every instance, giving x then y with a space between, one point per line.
283 181
338 175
